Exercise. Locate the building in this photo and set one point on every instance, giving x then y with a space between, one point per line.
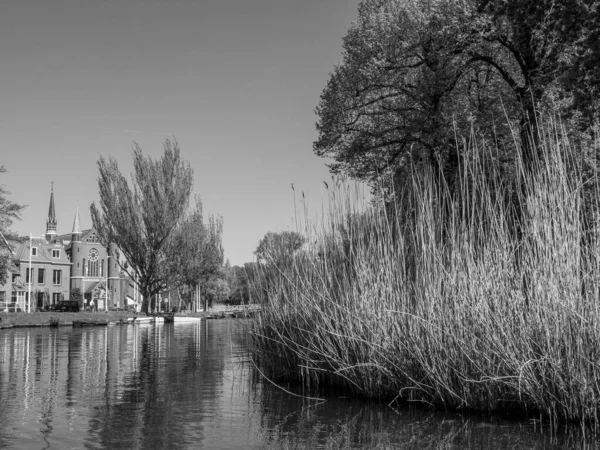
53 267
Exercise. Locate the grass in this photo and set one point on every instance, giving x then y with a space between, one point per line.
482 296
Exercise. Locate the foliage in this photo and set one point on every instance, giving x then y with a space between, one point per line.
9 212
447 305
216 289
555 44
141 219
416 74
278 247
241 283
274 252
196 255
76 294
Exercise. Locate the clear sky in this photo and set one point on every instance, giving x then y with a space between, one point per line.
234 81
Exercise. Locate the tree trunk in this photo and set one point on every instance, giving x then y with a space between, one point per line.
145 302
180 300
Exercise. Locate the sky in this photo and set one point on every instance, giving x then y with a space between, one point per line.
235 82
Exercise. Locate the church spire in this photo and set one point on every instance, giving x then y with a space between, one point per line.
76 233
51 222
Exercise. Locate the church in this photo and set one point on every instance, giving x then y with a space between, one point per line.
53 267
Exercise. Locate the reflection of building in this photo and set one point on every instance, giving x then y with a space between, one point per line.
61 264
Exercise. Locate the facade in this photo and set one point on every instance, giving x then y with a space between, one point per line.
52 267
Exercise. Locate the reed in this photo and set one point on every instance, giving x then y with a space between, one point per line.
481 296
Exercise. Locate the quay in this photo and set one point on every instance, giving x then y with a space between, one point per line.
104 318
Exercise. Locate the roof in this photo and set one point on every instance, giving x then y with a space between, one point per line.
43 253
95 285
76 224
51 209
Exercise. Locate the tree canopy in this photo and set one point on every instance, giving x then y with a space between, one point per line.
9 212
197 253
278 247
417 74
141 218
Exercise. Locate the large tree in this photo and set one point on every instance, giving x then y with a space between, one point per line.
9 211
415 74
140 218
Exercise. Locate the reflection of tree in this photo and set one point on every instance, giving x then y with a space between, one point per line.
161 402
168 387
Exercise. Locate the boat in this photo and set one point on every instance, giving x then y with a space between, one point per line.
186 319
144 319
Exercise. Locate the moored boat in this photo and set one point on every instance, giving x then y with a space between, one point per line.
144 319
186 319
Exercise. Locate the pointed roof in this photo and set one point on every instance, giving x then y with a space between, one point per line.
51 222
51 209
76 223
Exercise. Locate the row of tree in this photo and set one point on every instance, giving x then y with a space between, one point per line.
168 245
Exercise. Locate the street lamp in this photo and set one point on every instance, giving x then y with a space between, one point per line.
30 276
106 277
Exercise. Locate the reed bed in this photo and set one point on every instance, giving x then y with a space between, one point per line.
479 296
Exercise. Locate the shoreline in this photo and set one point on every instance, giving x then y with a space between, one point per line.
104 318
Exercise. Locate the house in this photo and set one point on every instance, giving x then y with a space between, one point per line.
50 268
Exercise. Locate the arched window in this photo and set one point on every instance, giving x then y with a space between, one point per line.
102 269
93 264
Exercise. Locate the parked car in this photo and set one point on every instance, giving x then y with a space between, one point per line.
67 306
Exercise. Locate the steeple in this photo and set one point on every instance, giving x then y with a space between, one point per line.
51 222
76 233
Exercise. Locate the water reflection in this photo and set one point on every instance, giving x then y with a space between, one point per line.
193 386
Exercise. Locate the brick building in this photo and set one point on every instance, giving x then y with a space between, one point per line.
52 266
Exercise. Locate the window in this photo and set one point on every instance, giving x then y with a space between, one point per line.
2 301
55 297
102 269
57 277
93 264
33 251
92 238
56 253
28 275
41 276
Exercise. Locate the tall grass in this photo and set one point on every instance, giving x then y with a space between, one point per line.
483 295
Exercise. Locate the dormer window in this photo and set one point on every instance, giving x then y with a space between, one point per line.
56 253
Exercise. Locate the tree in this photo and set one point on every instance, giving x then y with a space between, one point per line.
554 45
241 283
278 248
141 219
216 289
196 251
9 211
416 74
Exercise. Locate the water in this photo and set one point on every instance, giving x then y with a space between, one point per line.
190 386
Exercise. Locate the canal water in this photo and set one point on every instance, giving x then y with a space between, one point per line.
187 386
